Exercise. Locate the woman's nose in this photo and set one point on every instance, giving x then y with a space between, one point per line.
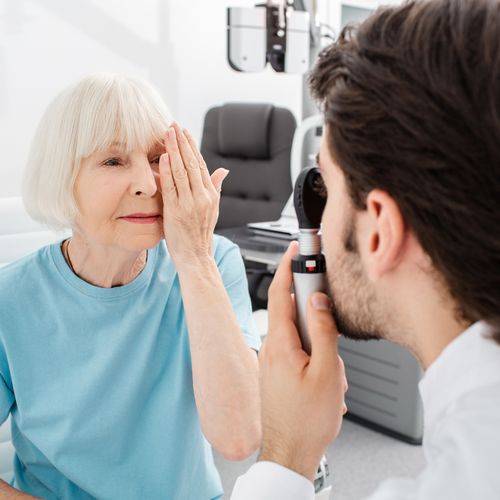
143 182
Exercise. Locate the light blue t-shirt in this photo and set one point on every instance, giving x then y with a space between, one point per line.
98 381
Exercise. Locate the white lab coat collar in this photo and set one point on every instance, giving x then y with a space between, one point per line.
470 361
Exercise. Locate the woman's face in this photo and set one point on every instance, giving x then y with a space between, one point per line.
113 184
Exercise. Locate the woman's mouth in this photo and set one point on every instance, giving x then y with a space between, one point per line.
142 218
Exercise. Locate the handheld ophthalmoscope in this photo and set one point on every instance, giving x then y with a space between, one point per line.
309 266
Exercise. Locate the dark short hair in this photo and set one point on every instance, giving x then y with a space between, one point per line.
411 98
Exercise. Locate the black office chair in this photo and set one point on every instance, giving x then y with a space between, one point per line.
254 142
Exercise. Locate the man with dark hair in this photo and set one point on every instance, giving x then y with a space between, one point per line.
410 158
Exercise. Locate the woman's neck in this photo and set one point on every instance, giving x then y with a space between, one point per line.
103 265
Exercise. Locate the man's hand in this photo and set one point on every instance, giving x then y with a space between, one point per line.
302 396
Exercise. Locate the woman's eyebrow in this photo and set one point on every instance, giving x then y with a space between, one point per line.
114 147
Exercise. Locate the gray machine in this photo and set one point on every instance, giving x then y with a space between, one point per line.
383 387
383 377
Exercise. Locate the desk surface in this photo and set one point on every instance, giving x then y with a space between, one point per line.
257 248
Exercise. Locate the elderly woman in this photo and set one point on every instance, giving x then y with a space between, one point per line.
128 347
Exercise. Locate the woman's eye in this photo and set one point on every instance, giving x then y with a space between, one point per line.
156 159
112 162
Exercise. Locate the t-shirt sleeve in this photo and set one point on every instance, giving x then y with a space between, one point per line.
232 269
6 393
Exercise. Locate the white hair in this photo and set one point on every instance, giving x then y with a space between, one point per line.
87 117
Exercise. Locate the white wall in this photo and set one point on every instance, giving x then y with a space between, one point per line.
179 45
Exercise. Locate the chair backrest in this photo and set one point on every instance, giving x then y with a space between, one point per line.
19 236
253 141
6 452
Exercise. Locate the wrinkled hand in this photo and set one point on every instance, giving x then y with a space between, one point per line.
190 198
302 396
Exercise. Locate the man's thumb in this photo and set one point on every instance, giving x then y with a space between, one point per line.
321 329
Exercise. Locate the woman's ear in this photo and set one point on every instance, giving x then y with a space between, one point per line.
386 234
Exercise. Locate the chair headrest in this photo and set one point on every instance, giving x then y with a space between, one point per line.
244 130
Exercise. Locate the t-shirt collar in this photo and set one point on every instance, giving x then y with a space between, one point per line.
90 290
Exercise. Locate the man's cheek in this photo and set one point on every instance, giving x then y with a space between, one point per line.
329 224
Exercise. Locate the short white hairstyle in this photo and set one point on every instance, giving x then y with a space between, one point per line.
87 117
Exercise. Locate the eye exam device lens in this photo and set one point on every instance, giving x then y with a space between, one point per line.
309 266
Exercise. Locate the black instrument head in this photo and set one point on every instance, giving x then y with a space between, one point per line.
309 198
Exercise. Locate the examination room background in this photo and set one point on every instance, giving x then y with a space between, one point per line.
180 47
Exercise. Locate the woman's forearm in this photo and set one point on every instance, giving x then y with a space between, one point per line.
7 492
225 369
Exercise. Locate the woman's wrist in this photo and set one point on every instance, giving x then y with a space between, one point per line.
195 266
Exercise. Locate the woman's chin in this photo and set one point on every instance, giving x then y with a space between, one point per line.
143 241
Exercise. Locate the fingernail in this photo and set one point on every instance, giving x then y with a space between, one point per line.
321 302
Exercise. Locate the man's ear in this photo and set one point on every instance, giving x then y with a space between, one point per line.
386 233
